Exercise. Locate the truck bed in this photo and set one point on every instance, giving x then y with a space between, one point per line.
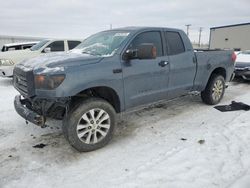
208 61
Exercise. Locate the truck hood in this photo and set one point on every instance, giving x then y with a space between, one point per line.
57 62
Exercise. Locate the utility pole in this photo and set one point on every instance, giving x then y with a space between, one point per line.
188 25
200 30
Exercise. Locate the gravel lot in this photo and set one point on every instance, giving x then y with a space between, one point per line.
181 143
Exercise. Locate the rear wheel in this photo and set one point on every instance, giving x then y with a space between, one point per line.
90 125
214 90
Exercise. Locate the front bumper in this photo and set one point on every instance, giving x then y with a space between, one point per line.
243 72
6 71
26 113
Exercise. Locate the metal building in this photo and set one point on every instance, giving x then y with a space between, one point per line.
235 37
13 39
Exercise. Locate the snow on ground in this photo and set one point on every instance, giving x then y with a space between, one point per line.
154 147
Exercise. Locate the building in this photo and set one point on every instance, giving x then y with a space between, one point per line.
235 37
13 39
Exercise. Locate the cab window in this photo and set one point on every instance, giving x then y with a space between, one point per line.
72 44
175 43
153 37
56 46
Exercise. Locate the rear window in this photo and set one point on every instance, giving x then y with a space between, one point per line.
72 44
175 43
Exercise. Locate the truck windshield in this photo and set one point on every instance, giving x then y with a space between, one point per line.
102 44
39 45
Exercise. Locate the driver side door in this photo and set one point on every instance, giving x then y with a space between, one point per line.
146 80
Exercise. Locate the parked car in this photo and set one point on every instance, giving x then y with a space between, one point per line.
112 72
242 66
18 46
10 58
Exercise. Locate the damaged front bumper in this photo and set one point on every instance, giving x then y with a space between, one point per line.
26 113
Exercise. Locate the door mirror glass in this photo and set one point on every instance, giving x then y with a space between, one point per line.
47 50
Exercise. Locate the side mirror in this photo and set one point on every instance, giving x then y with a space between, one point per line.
130 54
146 51
47 50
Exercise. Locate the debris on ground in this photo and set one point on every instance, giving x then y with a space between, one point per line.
201 141
39 145
234 106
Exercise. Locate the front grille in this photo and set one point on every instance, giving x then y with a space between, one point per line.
24 82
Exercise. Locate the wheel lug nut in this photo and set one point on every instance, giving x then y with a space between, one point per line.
89 127
91 121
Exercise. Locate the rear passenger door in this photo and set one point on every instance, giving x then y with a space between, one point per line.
182 66
146 80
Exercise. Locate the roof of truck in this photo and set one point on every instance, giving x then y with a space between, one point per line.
135 28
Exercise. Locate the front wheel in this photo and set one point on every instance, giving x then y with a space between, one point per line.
214 90
90 125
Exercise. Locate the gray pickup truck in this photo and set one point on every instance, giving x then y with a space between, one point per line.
114 71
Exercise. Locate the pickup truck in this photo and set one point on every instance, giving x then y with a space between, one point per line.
18 46
115 71
9 58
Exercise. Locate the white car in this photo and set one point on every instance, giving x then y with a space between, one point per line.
10 58
242 66
18 46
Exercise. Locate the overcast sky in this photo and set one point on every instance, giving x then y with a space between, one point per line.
79 18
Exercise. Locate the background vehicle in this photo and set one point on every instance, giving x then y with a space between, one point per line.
242 66
114 71
18 46
10 58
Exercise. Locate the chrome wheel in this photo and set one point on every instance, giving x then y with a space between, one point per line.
93 126
217 90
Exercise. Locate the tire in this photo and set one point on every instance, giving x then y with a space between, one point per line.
89 125
214 90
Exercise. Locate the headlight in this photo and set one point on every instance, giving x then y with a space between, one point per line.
48 82
6 62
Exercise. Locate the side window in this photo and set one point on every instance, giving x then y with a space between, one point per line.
153 37
27 46
56 46
175 43
72 44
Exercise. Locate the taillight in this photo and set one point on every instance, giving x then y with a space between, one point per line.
234 57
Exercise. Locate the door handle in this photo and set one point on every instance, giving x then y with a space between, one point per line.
163 63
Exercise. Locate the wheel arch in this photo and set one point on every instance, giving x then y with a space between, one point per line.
218 70
104 92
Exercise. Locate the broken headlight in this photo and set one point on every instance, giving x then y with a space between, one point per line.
48 82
